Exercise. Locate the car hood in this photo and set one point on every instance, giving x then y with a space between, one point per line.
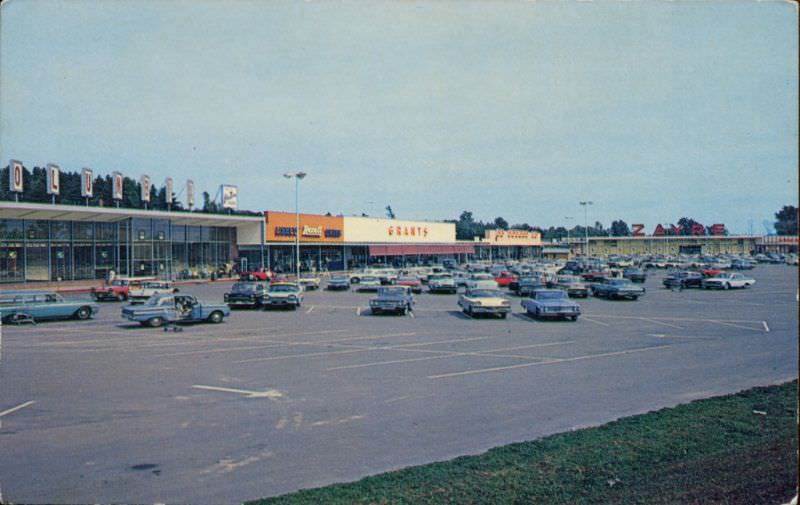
489 301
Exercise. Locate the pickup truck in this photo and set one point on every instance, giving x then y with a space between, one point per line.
118 290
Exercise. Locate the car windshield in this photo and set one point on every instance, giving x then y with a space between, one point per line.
568 280
482 277
154 285
391 292
550 295
407 279
619 281
245 287
340 278
282 288
369 278
119 283
486 293
154 301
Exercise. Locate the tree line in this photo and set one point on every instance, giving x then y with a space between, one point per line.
35 190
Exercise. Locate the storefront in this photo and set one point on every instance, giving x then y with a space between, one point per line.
668 245
509 245
42 242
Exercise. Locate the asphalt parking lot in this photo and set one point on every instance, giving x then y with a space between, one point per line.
273 401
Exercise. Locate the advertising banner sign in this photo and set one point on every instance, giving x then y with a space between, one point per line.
145 182
281 227
230 196
15 176
87 190
53 182
168 189
116 178
514 237
190 193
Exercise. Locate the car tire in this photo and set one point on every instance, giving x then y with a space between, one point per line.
503 315
404 311
83 313
155 322
469 311
216 317
574 318
727 285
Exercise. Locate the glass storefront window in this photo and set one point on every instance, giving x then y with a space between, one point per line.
82 231
37 230
11 229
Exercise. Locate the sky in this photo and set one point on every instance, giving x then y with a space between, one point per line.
653 110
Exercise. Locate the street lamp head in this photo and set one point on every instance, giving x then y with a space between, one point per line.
288 175
300 175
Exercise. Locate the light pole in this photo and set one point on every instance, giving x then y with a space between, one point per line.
568 218
297 176
585 206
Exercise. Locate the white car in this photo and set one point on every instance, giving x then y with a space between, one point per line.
148 289
481 281
368 283
484 301
309 282
728 280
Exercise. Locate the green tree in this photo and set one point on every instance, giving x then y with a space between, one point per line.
500 223
786 220
619 228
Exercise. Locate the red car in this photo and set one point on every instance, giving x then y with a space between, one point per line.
711 272
256 275
412 282
118 289
504 279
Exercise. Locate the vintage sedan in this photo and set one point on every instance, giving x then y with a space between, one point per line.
338 283
573 285
634 274
527 285
683 280
484 301
175 308
481 281
368 283
284 294
395 299
613 288
309 282
728 280
442 283
551 303
118 290
149 289
246 294
411 282
32 306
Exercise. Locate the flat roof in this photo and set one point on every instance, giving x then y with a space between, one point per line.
47 211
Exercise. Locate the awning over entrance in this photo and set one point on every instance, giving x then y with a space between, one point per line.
409 250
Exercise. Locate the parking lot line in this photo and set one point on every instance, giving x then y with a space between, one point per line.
310 309
302 355
18 407
766 327
595 321
661 322
733 325
554 360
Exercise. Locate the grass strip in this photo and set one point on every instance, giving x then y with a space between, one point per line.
716 450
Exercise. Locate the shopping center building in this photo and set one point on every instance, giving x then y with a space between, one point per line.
45 242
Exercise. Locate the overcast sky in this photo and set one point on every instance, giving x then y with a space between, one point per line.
653 110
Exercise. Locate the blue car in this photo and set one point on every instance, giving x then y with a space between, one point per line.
19 306
552 303
613 288
175 308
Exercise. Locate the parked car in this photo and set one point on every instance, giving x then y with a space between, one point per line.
484 301
148 289
284 294
505 278
411 282
573 285
338 283
246 294
742 265
175 308
613 288
525 286
461 278
634 274
368 283
728 280
256 275
32 306
481 281
397 299
551 303
309 282
442 283
683 280
118 290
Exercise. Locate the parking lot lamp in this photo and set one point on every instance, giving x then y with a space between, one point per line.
586 226
568 218
297 176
